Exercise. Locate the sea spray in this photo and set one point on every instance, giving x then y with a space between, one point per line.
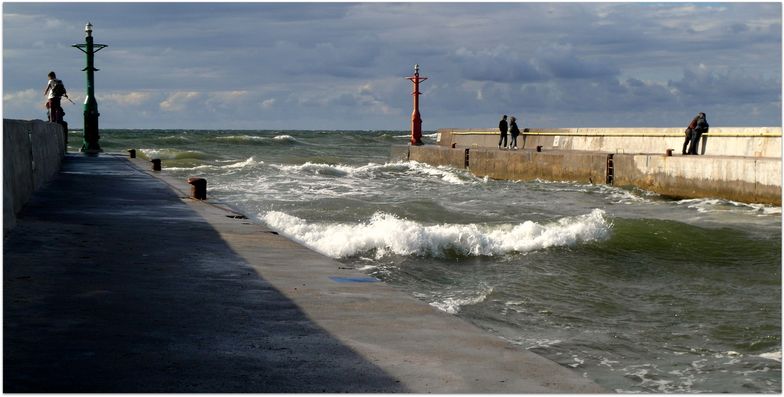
387 234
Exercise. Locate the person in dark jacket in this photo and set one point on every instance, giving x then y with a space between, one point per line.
503 128
696 134
688 132
515 133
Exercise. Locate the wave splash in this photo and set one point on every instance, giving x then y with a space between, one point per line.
387 234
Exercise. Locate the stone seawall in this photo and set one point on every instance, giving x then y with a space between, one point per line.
720 141
743 179
32 154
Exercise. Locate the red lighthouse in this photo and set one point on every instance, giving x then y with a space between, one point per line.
416 120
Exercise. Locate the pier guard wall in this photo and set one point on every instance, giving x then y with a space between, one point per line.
720 141
743 179
32 154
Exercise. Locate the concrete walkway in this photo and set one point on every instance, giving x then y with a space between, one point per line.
113 281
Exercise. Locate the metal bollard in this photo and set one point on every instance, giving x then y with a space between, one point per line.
539 148
132 153
198 188
156 164
668 153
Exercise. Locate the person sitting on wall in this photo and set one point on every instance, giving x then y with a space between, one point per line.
701 128
503 128
688 132
515 133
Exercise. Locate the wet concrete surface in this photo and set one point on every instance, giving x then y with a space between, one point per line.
114 281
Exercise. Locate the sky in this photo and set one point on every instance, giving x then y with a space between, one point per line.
342 66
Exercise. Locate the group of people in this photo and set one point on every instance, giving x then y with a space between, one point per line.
55 90
697 127
511 127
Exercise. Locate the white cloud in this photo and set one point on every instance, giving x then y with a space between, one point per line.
26 95
268 103
127 98
178 101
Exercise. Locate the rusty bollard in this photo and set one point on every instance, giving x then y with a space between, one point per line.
156 164
132 153
198 188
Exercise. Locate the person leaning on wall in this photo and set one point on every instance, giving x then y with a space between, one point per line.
696 134
688 133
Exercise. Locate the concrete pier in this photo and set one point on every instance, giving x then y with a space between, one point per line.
742 164
115 281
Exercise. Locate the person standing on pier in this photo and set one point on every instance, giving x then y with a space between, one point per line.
54 91
696 134
688 133
515 133
503 128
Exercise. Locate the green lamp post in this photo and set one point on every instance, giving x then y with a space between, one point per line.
91 114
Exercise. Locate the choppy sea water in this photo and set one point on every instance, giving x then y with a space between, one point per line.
639 292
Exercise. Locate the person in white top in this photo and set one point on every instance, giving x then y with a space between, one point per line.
53 92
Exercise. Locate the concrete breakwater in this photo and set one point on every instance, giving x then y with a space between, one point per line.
747 170
32 153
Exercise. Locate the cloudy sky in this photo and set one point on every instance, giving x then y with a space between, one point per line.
342 65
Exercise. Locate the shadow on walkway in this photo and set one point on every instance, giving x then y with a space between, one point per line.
112 284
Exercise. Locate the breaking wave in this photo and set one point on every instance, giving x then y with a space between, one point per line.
387 234
174 154
258 140
445 174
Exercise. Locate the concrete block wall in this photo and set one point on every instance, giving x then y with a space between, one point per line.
721 141
438 155
743 179
530 165
32 154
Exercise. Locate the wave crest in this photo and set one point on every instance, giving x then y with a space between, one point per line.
387 234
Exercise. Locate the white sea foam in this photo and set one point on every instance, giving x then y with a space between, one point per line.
445 174
287 138
453 304
171 154
776 356
250 162
719 205
255 139
388 234
242 138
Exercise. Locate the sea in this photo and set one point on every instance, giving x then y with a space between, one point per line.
639 292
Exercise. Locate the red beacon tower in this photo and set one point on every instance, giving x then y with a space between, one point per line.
416 120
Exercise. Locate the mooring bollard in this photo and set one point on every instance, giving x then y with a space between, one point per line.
132 153
539 148
156 164
668 153
198 188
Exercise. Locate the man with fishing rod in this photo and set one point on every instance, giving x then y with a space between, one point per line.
53 92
